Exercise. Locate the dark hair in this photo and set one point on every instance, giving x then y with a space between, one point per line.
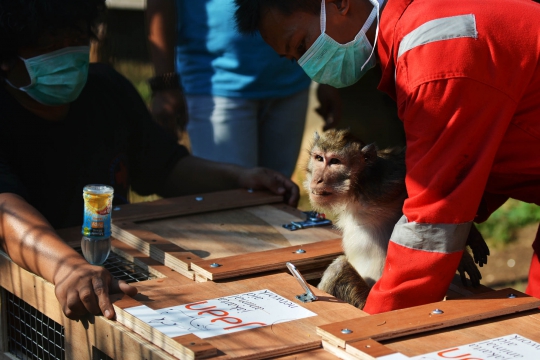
23 21
248 12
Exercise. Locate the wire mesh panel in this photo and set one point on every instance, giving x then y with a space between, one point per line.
33 336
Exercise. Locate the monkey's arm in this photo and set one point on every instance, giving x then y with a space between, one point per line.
447 171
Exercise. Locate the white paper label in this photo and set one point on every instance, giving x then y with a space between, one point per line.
223 315
504 348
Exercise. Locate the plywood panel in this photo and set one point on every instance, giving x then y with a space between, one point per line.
266 342
232 232
193 204
420 319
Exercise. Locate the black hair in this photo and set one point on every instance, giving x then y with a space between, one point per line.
248 12
23 21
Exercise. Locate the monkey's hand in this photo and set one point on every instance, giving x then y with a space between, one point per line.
467 266
341 280
478 246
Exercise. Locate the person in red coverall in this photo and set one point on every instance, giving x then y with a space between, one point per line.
466 77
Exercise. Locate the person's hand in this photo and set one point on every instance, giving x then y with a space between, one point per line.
169 109
263 178
330 105
85 288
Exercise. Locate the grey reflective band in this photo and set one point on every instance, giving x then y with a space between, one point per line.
441 238
453 27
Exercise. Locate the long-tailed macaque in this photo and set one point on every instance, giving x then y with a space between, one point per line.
365 189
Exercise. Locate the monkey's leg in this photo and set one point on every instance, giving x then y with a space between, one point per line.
467 265
341 280
478 246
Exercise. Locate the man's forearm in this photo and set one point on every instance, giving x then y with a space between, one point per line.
31 242
161 20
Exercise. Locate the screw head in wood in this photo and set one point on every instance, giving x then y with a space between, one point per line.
437 312
512 296
199 198
346 331
215 265
300 251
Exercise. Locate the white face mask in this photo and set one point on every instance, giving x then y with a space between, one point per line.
340 65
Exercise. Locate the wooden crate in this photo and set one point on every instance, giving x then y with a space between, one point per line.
238 232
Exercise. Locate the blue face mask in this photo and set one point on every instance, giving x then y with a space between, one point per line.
340 65
58 77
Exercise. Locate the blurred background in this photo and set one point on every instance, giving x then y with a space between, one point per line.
509 231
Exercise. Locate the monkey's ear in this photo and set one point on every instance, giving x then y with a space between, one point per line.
316 136
370 152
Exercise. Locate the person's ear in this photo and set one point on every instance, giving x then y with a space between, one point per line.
342 6
7 64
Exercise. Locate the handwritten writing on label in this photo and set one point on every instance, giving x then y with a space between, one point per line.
508 347
223 315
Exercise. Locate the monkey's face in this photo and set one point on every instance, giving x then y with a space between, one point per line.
330 175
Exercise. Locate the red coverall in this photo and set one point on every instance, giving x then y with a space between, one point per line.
466 77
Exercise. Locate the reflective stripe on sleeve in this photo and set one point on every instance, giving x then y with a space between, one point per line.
448 28
440 238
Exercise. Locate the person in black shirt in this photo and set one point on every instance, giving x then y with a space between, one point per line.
65 124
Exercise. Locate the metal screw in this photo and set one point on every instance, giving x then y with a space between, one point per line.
346 331
300 251
199 198
512 296
437 312
215 265
116 208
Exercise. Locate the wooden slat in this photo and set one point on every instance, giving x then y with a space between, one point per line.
188 205
269 260
260 343
368 349
419 319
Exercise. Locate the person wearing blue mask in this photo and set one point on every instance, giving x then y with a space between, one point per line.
65 123
465 75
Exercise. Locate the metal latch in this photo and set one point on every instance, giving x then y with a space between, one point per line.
314 219
308 296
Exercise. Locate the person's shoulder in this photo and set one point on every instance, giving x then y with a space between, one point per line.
105 74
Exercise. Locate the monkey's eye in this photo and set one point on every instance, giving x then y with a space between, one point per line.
334 161
318 158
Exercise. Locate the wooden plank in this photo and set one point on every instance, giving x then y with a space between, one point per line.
193 204
368 349
409 321
318 354
260 343
269 260
337 351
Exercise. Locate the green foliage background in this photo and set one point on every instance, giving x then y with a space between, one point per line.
502 225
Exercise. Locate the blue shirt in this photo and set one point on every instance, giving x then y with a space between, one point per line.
214 59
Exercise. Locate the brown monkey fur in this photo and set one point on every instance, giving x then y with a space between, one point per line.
365 188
